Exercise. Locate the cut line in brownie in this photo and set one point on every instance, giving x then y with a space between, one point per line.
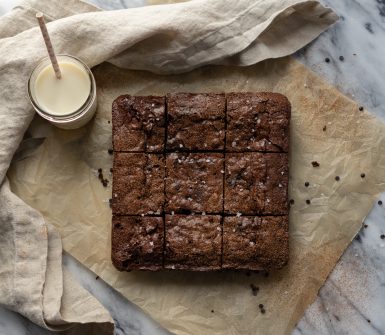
138 185
137 243
256 183
255 243
138 123
195 121
193 242
194 182
257 122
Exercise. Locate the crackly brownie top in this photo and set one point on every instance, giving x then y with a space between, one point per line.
194 182
257 122
137 242
255 243
138 123
138 186
201 234
195 121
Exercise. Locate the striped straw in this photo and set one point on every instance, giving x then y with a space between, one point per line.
48 44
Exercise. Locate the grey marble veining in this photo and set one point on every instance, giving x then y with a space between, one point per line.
352 301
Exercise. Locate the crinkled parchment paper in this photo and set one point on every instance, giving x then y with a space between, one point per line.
59 180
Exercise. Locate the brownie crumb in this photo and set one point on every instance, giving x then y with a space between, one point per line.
110 151
308 201
105 182
263 311
379 202
341 58
109 121
97 277
315 164
365 225
337 178
100 170
212 311
368 320
111 170
360 108
362 175
307 184
327 60
324 128
382 236
260 305
254 289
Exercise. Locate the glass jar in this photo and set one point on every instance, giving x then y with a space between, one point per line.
75 116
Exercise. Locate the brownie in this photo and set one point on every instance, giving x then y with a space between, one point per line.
255 243
195 121
200 182
138 123
193 242
138 184
137 243
257 122
256 183
194 182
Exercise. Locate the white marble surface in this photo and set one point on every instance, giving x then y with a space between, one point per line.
353 299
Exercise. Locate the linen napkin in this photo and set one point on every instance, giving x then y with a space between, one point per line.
162 39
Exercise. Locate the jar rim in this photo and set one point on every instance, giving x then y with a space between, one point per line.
68 117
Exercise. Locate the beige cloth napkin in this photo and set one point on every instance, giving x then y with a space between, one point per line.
161 39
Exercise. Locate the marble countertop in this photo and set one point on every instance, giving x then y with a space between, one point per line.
352 301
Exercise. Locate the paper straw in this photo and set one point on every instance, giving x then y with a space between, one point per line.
48 44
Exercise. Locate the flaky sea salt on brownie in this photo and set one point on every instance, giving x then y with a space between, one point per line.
138 185
193 242
138 123
257 122
255 243
195 121
137 243
194 182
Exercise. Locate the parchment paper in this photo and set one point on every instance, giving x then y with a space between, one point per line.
60 181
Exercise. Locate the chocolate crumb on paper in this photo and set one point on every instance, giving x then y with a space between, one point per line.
337 178
308 201
254 289
380 202
324 128
315 164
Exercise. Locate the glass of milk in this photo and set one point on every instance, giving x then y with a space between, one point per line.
69 102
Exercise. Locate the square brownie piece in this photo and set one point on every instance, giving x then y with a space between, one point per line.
193 242
245 176
257 122
138 183
256 183
195 121
138 123
255 243
194 182
276 185
137 243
